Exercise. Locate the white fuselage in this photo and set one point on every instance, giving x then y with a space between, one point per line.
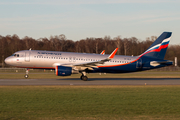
50 59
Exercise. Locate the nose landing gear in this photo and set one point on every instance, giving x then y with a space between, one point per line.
27 72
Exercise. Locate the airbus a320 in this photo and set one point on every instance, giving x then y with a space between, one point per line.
67 63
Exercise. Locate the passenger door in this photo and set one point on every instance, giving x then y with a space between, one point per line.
27 56
139 64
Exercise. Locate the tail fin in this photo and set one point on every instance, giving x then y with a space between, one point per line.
159 47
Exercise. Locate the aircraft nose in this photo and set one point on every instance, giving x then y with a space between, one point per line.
7 61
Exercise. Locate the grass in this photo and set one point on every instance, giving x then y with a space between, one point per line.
89 102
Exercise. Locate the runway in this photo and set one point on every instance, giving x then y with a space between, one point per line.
95 81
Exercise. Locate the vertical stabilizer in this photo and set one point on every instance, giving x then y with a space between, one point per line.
159 47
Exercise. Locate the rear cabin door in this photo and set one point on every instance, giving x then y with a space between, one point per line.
139 64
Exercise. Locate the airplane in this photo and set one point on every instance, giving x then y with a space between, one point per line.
67 63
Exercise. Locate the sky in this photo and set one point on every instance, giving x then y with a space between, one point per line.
81 19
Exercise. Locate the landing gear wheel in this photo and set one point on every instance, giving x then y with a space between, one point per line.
26 76
84 78
27 72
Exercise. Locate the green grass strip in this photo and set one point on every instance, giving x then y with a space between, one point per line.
89 102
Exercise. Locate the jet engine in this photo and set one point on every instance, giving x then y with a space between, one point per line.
64 71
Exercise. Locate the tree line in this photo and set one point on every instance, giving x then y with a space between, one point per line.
127 46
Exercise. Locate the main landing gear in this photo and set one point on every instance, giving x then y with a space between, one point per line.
83 76
27 72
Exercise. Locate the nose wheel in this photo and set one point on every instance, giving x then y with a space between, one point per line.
83 76
26 76
27 72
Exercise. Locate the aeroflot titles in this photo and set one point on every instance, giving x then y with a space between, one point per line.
49 53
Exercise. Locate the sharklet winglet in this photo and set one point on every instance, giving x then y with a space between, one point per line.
111 56
103 52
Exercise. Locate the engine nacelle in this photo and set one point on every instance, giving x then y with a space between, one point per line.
63 71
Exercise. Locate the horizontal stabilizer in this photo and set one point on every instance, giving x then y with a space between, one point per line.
156 63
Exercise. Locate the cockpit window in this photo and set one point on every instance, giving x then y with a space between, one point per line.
15 55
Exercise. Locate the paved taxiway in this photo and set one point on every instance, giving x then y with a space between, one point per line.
95 81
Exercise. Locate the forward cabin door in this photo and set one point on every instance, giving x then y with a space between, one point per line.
27 56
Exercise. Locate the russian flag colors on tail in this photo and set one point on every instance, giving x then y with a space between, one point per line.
159 47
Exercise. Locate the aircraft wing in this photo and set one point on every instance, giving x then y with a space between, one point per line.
91 64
